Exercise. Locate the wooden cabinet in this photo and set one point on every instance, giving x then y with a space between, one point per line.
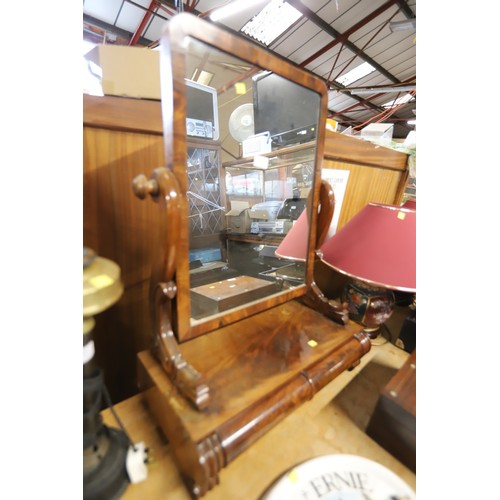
393 423
121 138
205 198
376 173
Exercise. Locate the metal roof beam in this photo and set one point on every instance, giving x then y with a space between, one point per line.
113 29
312 16
342 37
367 104
144 21
405 9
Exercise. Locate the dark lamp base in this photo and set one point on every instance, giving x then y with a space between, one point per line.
369 305
373 333
104 466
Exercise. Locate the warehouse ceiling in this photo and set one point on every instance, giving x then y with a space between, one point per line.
330 38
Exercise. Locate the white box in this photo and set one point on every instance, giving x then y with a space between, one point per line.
257 145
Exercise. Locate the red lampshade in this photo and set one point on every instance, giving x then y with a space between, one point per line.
294 244
377 246
410 204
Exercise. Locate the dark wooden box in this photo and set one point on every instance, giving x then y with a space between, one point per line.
393 423
222 295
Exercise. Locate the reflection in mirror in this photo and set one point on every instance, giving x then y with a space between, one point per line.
250 168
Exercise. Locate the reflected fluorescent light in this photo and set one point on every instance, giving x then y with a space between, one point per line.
231 8
409 24
382 90
274 19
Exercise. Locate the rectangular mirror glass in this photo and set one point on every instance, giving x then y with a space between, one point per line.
250 167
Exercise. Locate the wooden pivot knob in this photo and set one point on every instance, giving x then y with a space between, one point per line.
142 186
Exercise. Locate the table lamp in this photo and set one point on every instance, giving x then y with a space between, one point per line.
410 204
294 246
104 448
377 250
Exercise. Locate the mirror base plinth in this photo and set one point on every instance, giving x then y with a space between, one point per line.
259 370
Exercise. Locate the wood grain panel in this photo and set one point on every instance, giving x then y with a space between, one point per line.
119 227
377 174
342 147
120 333
120 113
116 224
259 370
365 184
246 361
393 423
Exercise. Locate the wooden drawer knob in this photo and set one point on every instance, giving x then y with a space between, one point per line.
143 186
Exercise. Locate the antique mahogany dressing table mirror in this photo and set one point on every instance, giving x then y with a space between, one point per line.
239 341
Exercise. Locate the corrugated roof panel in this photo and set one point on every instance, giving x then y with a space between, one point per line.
403 64
155 28
389 44
374 32
131 16
303 42
104 11
354 13
323 63
281 44
238 20
316 5
342 12
371 80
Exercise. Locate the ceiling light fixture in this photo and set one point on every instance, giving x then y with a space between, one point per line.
355 74
231 8
409 24
382 90
400 100
271 21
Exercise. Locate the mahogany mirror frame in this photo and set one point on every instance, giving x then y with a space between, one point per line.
172 66
216 395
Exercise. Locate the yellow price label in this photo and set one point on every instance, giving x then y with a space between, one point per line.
240 88
293 476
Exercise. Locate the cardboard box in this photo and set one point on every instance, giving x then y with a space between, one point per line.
128 71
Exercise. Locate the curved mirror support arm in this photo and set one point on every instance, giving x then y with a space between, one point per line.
162 187
325 212
314 297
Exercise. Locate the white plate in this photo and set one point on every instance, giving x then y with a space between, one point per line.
339 477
